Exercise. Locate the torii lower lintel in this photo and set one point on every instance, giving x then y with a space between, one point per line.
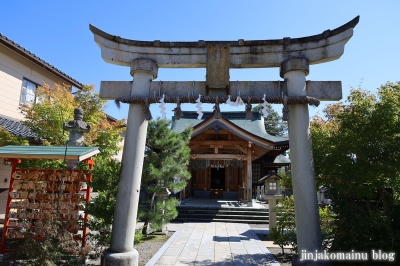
321 90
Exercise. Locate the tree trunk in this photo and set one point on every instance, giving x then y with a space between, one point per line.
147 220
385 196
144 229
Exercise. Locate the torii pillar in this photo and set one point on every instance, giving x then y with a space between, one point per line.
121 251
294 71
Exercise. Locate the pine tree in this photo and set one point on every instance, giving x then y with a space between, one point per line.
164 170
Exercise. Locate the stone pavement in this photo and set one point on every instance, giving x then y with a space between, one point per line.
227 244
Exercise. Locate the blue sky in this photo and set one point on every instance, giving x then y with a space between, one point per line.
58 32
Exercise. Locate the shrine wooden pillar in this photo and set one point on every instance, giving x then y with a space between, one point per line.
249 177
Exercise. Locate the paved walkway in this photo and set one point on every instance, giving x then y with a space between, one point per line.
213 244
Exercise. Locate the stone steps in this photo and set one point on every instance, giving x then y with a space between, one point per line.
208 220
223 214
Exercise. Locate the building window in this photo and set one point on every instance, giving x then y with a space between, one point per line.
28 92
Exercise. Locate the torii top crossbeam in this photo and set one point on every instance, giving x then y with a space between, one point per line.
324 47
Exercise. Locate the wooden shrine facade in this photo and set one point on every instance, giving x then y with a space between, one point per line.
229 154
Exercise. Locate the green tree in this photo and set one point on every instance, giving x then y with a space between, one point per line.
286 181
105 184
6 138
56 107
165 167
274 125
357 159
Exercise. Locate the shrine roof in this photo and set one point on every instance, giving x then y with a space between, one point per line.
254 126
48 152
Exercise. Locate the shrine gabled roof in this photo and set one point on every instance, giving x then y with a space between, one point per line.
38 61
48 152
255 126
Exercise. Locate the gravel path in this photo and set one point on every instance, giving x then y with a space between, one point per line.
148 249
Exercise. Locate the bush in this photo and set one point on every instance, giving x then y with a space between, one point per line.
55 246
284 232
138 237
327 219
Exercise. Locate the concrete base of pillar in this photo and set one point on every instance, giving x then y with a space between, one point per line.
250 204
297 262
120 259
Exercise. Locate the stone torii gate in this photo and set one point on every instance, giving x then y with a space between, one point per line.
292 56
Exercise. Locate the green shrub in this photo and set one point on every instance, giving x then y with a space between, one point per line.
284 232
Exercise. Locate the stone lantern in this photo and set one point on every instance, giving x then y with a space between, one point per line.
76 128
272 186
272 194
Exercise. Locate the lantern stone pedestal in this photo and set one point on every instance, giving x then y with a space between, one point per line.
272 203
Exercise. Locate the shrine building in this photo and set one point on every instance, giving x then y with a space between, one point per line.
225 151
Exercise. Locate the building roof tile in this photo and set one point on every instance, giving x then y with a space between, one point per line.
16 127
254 126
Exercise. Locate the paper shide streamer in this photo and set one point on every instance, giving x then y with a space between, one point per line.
199 108
253 99
264 105
162 107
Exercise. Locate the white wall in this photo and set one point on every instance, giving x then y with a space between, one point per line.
5 172
13 68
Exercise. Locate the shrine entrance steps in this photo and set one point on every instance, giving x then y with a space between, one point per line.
221 210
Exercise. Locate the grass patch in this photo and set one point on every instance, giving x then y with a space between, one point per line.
155 238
